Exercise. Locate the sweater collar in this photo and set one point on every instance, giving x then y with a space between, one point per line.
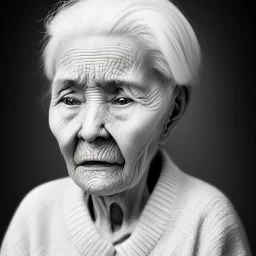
151 226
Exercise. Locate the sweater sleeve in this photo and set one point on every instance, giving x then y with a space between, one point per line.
23 236
16 239
222 233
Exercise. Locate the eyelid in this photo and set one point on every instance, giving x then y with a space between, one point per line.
61 97
65 91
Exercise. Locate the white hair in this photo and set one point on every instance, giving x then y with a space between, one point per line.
156 24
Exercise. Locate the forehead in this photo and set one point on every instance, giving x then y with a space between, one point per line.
99 59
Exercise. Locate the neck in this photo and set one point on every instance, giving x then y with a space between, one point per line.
117 215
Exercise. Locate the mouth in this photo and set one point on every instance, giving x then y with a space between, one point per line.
97 164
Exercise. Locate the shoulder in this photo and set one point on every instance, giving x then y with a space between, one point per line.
40 199
206 203
195 197
42 195
198 192
46 192
191 190
36 216
208 210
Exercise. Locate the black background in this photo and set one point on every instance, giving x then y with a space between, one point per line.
215 141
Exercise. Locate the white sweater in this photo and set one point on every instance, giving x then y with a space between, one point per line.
183 216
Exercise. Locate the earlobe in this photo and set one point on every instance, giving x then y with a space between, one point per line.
180 102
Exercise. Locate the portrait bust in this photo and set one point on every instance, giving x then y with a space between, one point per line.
121 75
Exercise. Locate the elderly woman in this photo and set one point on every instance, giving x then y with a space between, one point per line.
121 72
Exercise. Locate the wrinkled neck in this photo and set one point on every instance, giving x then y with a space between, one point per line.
117 215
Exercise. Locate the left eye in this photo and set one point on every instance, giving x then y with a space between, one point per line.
121 101
70 101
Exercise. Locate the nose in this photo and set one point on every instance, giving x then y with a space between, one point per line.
92 125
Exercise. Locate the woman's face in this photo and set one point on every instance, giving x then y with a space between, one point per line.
107 112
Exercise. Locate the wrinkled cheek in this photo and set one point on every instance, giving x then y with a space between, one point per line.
65 134
153 145
132 142
139 143
138 152
137 138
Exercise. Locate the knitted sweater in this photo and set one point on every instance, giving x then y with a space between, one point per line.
183 216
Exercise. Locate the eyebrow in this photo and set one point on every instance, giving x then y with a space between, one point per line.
123 83
62 84
67 83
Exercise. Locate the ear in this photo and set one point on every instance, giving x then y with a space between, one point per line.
180 101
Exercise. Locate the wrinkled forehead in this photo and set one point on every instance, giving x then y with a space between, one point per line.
99 59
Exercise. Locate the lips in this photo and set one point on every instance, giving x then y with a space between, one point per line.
97 163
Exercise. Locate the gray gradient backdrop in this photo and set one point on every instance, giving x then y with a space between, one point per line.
215 141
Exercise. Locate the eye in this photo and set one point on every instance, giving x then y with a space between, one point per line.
121 101
70 101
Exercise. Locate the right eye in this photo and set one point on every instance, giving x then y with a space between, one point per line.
70 101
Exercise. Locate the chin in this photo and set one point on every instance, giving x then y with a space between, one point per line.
100 182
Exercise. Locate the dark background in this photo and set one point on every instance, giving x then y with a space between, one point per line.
215 141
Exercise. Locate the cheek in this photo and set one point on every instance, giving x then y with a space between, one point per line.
138 139
55 123
136 133
65 129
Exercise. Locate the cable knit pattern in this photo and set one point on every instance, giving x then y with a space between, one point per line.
183 216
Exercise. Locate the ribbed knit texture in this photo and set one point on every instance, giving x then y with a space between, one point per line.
183 216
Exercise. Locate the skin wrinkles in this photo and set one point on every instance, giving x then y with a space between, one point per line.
98 129
99 67
107 57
